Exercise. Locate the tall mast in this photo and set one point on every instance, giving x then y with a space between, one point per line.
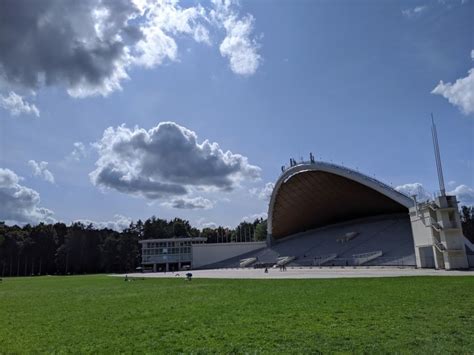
437 157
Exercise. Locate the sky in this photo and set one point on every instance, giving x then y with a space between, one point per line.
113 111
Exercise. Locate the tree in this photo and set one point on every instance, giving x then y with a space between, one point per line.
261 231
180 228
467 222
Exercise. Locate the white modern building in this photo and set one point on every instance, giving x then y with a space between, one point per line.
170 254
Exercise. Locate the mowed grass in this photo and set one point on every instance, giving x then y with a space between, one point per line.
101 314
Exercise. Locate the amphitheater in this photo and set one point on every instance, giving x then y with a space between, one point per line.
325 215
322 214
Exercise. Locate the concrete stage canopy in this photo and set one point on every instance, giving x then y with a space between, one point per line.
311 195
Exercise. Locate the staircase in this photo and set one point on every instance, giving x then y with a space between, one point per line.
360 259
247 262
281 261
320 260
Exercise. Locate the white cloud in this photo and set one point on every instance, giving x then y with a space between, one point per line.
189 203
89 47
17 105
451 183
20 204
414 11
163 20
255 216
201 223
238 45
464 194
415 189
166 161
264 193
461 93
119 223
41 169
79 151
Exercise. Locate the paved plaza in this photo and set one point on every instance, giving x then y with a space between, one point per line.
305 273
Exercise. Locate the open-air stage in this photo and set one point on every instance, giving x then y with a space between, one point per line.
305 273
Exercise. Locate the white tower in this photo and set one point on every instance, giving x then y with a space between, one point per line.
436 225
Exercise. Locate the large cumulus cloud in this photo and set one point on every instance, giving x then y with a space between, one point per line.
166 161
79 44
88 46
18 203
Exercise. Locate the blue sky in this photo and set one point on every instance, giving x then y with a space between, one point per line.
350 81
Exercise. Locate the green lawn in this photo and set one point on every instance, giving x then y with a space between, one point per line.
90 314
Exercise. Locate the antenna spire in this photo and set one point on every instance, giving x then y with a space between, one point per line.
437 156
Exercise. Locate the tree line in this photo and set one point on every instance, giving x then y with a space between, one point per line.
84 249
60 249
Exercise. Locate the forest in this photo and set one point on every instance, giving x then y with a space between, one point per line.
60 249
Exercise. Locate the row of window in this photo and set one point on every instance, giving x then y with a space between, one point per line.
159 251
166 258
166 244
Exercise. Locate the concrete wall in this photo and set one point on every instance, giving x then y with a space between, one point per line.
470 259
205 254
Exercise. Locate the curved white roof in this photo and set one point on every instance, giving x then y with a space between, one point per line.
341 171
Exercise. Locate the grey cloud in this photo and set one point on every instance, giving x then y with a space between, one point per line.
18 203
121 180
65 42
88 46
166 160
189 203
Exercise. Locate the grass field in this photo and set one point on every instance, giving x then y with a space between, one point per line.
90 314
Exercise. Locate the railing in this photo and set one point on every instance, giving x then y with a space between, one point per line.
440 246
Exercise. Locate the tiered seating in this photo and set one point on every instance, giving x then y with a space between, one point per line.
391 235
